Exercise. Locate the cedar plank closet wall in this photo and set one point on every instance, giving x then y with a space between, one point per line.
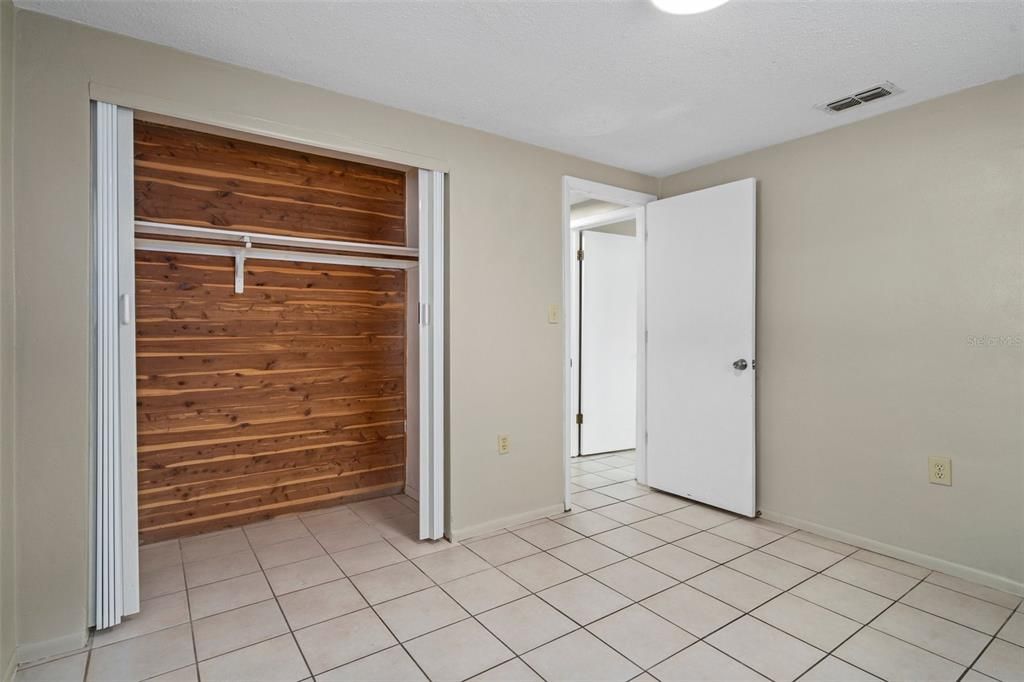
291 395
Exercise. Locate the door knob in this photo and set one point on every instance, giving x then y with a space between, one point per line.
740 364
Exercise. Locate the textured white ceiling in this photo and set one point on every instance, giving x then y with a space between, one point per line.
616 82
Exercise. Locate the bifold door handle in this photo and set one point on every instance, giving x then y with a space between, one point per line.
740 364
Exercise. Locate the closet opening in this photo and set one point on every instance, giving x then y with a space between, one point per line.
269 354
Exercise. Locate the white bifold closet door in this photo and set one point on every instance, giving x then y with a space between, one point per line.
115 547
608 342
115 567
431 189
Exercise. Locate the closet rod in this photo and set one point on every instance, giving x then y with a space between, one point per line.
147 228
271 254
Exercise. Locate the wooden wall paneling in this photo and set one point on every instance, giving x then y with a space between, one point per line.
291 395
194 178
287 397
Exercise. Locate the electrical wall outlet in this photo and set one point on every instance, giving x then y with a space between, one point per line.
504 443
940 471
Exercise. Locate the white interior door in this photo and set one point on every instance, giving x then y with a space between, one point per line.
608 340
700 252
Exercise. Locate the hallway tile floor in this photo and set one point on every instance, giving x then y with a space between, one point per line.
632 584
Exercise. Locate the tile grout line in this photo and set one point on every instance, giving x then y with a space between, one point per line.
191 627
795 530
191 623
822 571
371 607
879 615
940 617
490 566
584 536
531 593
626 556
846 556
967 668
274 595
987 645
853 634
685 582
750 612
632 602
261 569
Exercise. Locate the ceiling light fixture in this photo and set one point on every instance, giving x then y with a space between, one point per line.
687 6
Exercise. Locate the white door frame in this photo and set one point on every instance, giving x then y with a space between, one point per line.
634 203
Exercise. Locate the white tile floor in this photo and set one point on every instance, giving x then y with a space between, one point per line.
632 585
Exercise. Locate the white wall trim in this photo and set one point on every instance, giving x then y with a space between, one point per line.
635 201
60 647
461 534
976 575
198 113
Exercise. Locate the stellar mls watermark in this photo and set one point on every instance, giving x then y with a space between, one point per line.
995 341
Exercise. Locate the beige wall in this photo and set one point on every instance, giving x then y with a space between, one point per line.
883 248
7 586
505 208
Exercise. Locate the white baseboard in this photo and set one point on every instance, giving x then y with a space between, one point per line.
37 651
460 534
976 575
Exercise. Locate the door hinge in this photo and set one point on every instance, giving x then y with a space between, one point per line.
579 254
579 417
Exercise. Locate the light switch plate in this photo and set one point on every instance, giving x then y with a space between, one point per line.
554 314
940 471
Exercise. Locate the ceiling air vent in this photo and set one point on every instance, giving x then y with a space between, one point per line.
877 92
844 103
869 95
